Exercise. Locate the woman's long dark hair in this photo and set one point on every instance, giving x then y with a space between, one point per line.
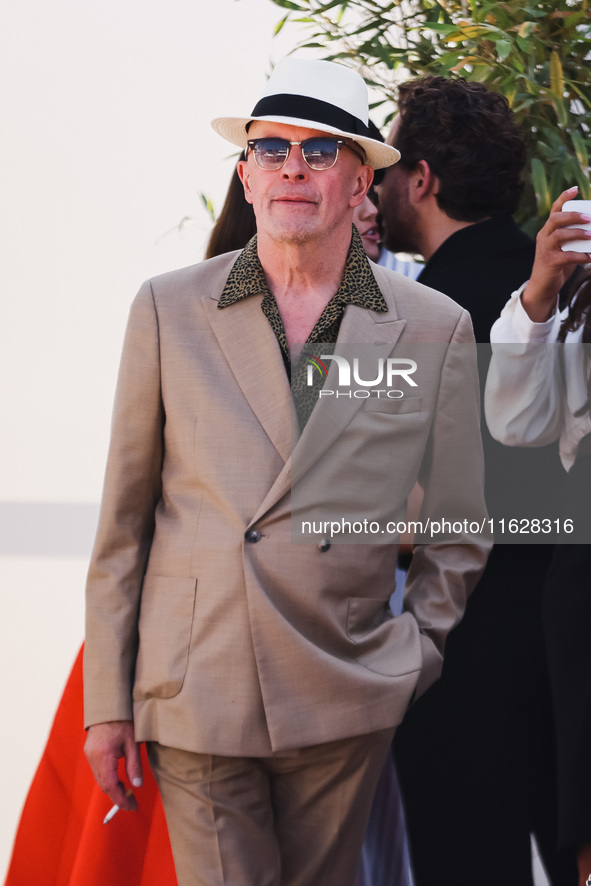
579 314
579 304
236 222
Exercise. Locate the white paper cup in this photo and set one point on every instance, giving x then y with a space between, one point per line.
583 206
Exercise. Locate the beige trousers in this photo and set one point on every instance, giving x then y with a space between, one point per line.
296 818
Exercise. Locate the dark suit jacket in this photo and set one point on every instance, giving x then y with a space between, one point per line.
480 266
492 699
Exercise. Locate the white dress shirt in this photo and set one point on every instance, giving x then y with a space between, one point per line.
406 267
536 385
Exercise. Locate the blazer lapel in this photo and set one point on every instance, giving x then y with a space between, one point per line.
253 354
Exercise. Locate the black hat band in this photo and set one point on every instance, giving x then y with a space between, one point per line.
305 108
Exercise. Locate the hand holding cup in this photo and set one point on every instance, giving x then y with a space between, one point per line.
553 263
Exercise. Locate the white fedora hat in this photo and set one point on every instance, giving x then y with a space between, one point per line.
315 95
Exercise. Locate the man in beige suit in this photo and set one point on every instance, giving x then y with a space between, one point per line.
263 667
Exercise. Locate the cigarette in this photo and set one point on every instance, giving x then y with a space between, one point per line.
115 809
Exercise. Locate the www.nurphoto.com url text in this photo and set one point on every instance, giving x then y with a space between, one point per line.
434 528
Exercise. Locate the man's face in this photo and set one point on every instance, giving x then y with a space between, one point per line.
400 218
296 204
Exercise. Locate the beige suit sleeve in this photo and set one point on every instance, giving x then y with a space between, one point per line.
452 475
131 492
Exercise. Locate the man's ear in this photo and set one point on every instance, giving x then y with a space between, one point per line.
362 185
243 171
424 182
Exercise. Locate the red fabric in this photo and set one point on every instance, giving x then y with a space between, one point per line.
61 839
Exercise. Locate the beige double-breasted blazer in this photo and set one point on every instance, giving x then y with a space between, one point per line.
221 642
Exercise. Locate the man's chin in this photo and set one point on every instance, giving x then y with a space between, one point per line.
296 235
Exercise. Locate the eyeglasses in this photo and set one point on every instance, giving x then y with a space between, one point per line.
318 153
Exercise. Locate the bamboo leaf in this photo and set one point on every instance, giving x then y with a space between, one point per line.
289 4
580 149
510 93
546 150
490 32
557 183
440 27
518 64
575 19
503 48
524 44
540 183
207 203
556 74
469 61
583 183
582 95
278 27
525 29
448 59
560 108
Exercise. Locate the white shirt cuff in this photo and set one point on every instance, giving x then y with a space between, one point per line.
515 325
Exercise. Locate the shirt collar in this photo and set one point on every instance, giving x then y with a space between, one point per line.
357 287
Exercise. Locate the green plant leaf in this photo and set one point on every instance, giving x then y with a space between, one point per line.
535 53
580 149
440 27
560 108
290 4
525 29
583 183
449 59
510 92
556 74
581 94
557 183
503 48
279 26
540 184
208 204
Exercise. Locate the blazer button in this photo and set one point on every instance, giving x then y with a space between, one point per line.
324 546
252 536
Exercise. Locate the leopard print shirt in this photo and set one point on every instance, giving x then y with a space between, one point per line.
358 287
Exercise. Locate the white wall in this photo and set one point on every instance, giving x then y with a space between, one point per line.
105 146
